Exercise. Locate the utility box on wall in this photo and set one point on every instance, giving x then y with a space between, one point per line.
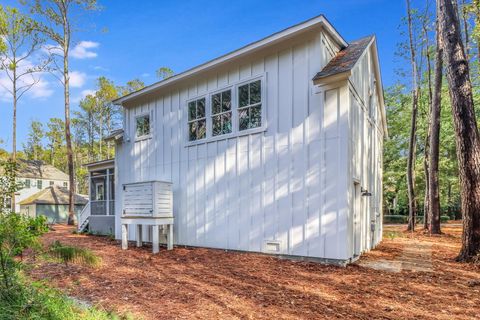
151 199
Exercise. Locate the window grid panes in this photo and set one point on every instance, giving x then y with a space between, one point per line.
197 121
143 126
250 105
39 184
27 183
222 113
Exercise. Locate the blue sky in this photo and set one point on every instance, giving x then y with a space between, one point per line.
144 35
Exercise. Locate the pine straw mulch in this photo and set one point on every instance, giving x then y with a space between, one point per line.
195 283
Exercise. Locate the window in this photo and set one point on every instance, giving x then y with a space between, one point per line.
222 113
100 192
39 184
142 126
65 184
52 183
197 123
250 105
27 183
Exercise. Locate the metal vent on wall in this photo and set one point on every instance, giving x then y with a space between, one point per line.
272 246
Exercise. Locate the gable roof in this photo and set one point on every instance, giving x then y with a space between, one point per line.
53 195
318 21
345 59
35 169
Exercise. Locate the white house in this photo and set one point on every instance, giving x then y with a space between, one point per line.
275 147
35 176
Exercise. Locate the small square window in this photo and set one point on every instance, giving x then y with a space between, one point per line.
65 184
143 126
52 183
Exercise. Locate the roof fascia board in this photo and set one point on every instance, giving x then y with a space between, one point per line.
272 39
378 75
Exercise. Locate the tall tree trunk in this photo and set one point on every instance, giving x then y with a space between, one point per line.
14 128
426 161
412 208
466 130
435 112
68 138
465 28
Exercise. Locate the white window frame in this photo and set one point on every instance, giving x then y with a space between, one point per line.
146 136
235 123
207 112
97 185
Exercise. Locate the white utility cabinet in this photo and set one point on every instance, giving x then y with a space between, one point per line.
148 203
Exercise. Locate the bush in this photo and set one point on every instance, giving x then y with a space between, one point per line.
68 254
38 301
17 233
395 218
444 219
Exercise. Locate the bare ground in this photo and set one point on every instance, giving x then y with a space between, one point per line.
198 283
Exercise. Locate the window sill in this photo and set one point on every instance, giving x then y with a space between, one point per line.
226 136
143 138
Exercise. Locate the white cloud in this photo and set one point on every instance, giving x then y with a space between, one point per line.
100 68
77 79
83 50
82 95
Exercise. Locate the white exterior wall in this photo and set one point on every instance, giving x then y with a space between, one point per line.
289 183
366 150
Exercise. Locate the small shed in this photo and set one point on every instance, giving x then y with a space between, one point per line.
52 203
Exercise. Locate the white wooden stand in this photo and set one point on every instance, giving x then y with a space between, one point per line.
139 222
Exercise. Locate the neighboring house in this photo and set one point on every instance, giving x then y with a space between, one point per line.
275 147
51 202
35 176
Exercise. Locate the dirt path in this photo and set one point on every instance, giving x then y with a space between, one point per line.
414 257
214 284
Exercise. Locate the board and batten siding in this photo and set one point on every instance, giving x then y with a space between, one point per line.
287 184
365 153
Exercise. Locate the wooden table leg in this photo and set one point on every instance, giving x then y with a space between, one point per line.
124 236
139 235
155 240
170 237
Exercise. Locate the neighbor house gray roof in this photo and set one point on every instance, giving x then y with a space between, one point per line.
345 59
53 195
34 169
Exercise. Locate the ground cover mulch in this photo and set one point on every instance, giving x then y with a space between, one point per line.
196 283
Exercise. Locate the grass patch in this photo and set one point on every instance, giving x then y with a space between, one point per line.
68 254
35 300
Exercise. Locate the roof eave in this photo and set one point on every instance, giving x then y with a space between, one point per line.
321 81
270 40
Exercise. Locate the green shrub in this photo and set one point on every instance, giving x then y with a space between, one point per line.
68 254
395 218
444 219
38 301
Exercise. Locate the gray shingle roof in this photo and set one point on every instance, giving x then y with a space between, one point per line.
34 169
345 59
53 195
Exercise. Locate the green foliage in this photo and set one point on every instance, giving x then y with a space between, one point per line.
164 73
398 103
394 218
35 300
68 254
